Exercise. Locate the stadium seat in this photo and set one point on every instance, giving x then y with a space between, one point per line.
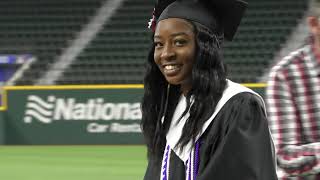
118 52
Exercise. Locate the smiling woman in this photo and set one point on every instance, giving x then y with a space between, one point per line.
198 124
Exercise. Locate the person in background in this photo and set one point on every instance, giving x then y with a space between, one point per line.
197 124
293 103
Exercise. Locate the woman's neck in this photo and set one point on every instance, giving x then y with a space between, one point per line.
185 89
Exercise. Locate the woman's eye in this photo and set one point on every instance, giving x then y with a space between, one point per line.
180 42
157 44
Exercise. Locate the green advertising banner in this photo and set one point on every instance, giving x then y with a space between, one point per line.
74 115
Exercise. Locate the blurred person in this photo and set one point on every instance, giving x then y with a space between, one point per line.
198 124
293 103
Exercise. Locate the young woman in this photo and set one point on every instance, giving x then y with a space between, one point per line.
197 124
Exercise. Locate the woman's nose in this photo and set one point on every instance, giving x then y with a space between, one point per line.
167 53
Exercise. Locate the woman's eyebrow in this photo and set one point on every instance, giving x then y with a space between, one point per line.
172 35
178 34
156 37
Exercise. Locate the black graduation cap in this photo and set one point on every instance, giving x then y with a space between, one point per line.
225 13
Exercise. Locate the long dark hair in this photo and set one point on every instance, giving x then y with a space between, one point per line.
160 99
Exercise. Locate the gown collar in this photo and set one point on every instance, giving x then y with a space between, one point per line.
176 126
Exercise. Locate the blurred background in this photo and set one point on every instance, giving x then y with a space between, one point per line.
71 74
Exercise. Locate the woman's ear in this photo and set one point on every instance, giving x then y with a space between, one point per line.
314 25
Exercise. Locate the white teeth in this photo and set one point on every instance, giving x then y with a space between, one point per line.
170 67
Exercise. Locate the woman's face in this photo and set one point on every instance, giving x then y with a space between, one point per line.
174 53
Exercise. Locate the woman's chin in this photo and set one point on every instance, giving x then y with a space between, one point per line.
173 81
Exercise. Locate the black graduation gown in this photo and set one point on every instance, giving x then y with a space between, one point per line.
235 146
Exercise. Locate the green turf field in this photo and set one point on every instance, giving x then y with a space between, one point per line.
72 162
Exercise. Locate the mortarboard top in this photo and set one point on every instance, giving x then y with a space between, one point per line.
226 13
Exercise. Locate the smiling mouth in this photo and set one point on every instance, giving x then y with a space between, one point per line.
171 70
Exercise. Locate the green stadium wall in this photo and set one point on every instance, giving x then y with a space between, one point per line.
74 115
2 127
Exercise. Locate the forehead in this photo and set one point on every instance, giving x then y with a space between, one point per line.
174 25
